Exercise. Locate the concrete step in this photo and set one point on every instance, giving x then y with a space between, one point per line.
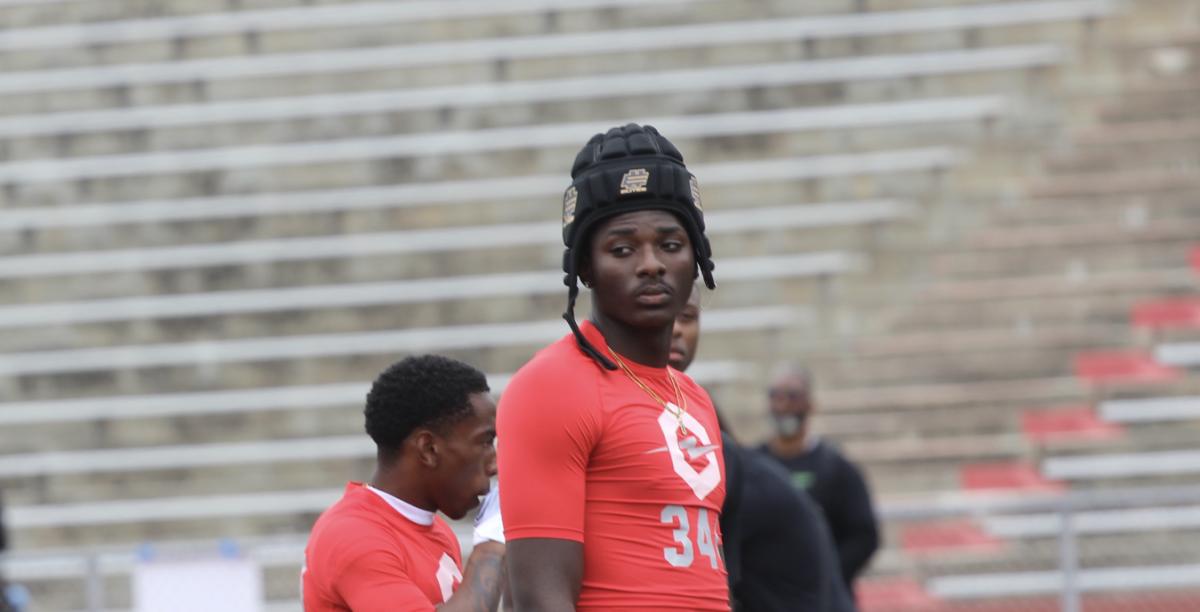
1133 438
1177 279
969 355
1024 314
1164 59
1041 302
1130 209
1166 102
1113 183
1161 154
1039 391
1161 245
1158 548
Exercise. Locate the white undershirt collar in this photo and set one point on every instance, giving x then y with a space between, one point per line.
407 510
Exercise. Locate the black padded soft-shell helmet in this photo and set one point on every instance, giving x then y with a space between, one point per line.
627 169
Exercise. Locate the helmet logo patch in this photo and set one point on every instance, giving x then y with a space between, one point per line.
569 199
635 181
696 193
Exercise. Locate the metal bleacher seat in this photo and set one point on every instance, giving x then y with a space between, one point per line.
490 140
109 32
366 294
524 333
475 95
428 240
560 45
1181 354
447 193
1151 409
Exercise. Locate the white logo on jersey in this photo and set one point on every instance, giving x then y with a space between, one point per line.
447 576
701 482
690 445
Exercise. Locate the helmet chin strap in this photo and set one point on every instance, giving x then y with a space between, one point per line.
573 292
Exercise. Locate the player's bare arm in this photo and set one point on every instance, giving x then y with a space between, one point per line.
483 581
551 572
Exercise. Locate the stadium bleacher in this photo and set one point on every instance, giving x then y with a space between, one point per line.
976 221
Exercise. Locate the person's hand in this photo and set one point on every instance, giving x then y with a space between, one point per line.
488 525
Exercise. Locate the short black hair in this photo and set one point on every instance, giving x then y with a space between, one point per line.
420 391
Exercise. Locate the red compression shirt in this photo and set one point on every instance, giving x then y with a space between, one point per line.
586 455
363 555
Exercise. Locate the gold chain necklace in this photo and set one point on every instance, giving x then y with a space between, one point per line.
680 408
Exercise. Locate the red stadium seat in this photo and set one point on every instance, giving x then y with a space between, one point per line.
1122 367
1173 312
1011 476
943 537
1067 423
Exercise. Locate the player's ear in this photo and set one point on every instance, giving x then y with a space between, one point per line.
426 445
585 271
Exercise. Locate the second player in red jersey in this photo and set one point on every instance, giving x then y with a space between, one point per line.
382 547
610 460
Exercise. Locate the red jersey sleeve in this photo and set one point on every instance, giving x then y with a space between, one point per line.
547 423
377 581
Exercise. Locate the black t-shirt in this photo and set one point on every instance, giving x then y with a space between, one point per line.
779 553
839 489
731 510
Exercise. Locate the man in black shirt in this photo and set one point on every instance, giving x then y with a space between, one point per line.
818 467
778 551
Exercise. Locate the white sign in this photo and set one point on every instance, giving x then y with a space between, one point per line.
201 585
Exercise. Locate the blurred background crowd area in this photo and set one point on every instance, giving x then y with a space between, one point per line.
976 221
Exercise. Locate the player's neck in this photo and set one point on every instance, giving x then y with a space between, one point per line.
790 446
396 482
648 347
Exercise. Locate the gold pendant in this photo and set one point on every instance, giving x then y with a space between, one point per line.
678 412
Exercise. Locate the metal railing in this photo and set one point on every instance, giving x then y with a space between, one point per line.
1065 519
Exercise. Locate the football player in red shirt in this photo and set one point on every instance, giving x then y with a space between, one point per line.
610 460
382 547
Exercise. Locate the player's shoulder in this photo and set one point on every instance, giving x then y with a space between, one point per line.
348 522
560 366
687 382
